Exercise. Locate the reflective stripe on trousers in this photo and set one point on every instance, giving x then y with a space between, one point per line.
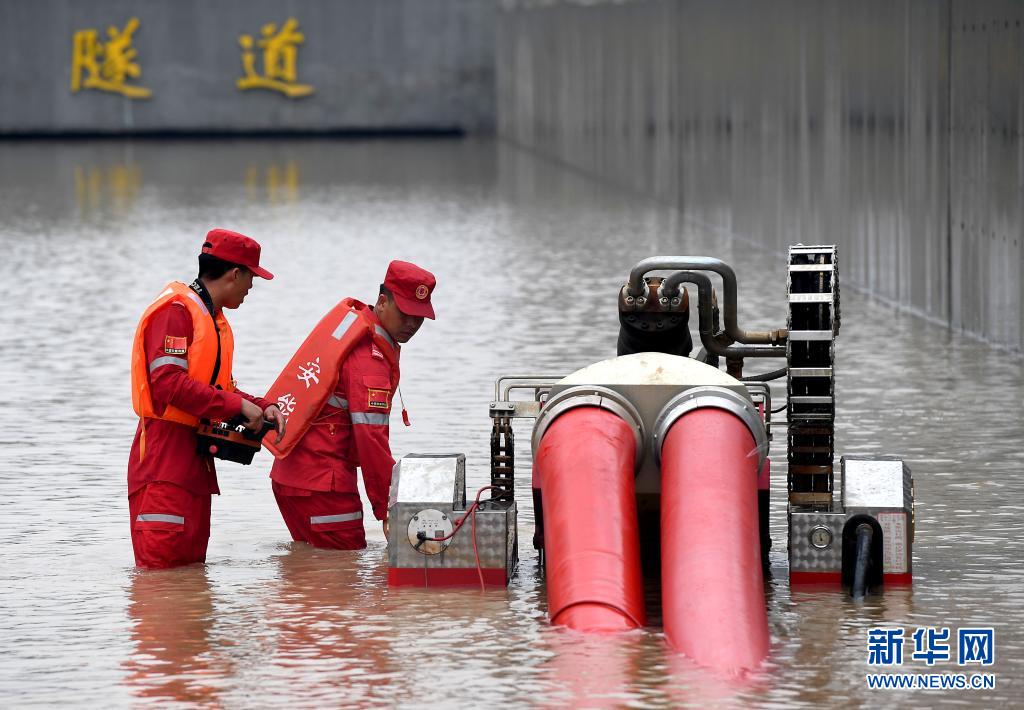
160 518
341 518
368 418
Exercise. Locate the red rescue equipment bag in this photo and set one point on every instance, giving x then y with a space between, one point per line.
310 377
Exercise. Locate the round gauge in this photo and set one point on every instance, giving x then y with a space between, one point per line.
429 531
821 537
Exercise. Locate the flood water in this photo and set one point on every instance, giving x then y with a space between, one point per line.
529 257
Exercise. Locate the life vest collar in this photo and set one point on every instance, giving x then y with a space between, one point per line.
205 299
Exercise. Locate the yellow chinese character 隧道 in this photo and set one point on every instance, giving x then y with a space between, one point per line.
280 52
107 65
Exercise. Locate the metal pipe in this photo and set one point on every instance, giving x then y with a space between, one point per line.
670 289
524 380
864 534
718 344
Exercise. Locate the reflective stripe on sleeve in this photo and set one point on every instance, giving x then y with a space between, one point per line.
384 334
168 360
345 324
368 418
160 518
342 518
336 401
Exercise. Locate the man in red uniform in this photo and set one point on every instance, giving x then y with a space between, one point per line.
181 373
315 484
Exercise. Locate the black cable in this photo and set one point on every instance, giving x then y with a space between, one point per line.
776 411
766 376
860 571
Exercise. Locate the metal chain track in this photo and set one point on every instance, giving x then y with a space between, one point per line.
503 453
813 322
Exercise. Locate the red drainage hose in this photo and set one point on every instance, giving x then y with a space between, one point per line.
712 590
586 462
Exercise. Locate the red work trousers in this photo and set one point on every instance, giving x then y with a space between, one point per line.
170 525
322 518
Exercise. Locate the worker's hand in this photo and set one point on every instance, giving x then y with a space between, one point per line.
385 522
273 414
252 415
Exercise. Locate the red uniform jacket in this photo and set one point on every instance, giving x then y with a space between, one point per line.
351 430
171 454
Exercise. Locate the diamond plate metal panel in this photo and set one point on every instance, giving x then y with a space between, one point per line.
805 557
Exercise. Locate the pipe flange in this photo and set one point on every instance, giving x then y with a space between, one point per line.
590 396
636 301
719 398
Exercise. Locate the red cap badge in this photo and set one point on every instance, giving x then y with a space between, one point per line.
236 248
411 286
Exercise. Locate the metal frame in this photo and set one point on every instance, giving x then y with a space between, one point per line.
719 398
502 406
763 391
590 396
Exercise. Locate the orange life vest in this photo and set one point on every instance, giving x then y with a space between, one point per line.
309 378
201 355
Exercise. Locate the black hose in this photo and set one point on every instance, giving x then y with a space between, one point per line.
860 570
766 376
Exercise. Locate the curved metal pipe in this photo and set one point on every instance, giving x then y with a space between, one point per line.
860 570
670 288
719 344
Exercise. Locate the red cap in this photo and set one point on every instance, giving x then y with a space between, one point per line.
236 248
411 286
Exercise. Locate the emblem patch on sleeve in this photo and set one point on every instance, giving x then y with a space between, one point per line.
174 345
379 399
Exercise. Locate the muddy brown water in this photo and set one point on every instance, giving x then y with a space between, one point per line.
91 231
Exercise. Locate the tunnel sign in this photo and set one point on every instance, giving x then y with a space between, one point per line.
107 66
280 56
110 64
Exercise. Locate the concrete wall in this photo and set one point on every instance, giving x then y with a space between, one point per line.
891 127
406 65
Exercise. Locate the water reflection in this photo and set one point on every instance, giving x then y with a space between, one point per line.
175 655
315 610
593 671
114 187
272 183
